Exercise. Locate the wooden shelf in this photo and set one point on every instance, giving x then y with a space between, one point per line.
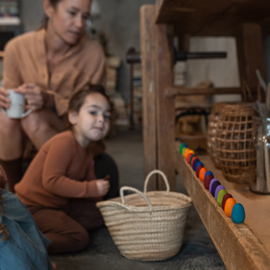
10 21
211 17
241 246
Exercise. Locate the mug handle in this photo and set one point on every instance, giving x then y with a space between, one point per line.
26 113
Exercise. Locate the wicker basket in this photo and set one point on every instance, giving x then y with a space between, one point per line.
213 120
234 146
147 226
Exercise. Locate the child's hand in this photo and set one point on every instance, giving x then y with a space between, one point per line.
103 186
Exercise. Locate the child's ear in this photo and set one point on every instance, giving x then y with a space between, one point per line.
72 117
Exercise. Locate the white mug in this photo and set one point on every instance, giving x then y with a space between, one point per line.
17 106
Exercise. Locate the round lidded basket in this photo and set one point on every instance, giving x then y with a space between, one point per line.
234 146
213 120
147 226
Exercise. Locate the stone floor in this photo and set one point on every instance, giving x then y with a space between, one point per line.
197 252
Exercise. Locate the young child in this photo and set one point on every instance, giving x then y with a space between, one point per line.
22 245
59 187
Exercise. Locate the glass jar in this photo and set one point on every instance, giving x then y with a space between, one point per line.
259 178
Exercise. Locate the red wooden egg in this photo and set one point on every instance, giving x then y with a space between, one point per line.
207 180
198 169
225 198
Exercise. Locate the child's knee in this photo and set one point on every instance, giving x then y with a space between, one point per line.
81 240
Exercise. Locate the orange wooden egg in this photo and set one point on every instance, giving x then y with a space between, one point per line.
202 173
186 152
229 206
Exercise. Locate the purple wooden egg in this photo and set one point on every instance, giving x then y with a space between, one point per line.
218 189
195 163
213 187
211 183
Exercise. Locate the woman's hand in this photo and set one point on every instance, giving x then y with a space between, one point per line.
4 100
34 96
103 186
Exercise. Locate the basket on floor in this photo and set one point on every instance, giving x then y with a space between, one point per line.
147 226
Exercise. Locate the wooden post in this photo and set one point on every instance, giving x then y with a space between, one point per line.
164 60
147 30
250 53
158 110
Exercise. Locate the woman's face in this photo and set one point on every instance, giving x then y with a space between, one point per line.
68 19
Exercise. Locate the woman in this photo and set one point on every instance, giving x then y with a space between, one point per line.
47 67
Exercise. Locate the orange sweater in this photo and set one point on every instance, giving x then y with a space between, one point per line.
61 170
25 61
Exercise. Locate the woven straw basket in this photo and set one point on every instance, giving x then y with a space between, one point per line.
147 226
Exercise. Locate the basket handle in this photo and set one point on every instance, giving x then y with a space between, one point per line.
136 191
163 176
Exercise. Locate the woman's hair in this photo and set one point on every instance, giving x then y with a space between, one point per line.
45 19
3 230
78 98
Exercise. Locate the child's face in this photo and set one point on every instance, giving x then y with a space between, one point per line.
92 122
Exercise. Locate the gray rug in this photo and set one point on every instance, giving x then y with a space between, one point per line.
197 252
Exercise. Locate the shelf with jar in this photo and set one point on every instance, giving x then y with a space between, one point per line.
9 12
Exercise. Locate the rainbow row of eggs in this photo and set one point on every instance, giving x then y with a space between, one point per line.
225 200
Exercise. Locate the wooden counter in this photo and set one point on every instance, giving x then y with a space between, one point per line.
241 246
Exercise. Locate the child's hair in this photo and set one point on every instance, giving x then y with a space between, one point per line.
78 98
3 230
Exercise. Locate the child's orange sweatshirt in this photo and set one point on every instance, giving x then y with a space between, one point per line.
61 170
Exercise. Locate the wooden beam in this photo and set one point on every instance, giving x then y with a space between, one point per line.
184 91
147 31
211 17
165 106
237 245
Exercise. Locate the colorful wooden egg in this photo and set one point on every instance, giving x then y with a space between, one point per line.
192 161
225 198
238 213
192 152
220 196
192 156
186 152
207 180
198 170
195 163
214 187
218 189
183 151
198 163
202 173
208 173
181 147
211 183
188 157
229 206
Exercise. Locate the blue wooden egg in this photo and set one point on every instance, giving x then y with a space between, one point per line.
238 213
197 164
207 173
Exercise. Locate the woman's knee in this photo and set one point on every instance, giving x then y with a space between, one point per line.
8 126
34 122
